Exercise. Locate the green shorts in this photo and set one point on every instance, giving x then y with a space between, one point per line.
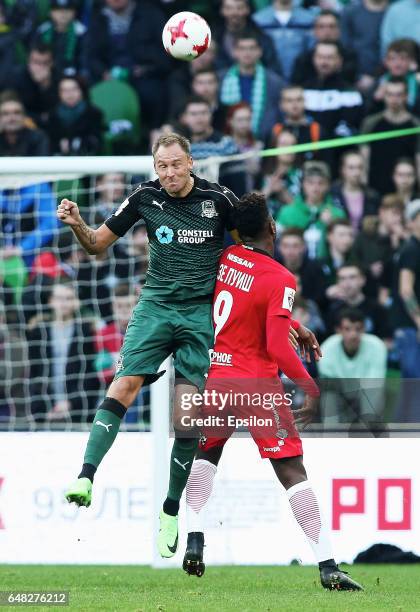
159 329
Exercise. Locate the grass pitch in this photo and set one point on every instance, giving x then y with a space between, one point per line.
389 588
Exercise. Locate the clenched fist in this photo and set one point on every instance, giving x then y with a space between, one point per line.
68 212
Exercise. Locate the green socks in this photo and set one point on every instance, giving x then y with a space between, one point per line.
182 457
104 430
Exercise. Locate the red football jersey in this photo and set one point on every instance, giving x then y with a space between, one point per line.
250 287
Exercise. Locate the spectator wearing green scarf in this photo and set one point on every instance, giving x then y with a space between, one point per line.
313 210
249 81
66 37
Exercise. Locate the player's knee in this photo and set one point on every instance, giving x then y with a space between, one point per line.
187 436
212 455
289 471
125 389
184 422
182 425
186 442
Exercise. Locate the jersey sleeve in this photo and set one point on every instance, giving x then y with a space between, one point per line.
282 296
125 216
227 202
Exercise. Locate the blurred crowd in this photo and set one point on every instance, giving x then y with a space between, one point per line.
89 77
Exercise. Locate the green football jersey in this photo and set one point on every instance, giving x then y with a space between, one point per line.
185 237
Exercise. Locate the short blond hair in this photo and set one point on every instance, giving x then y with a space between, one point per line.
166 140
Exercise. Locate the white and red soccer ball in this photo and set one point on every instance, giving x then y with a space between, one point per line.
186 36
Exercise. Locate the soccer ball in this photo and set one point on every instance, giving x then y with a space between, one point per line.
186 36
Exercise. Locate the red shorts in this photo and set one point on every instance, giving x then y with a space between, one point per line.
259 406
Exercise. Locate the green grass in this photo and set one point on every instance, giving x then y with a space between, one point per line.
389 588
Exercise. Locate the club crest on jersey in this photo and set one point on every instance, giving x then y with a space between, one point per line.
208 209
288 298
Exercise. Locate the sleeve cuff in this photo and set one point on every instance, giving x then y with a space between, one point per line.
111 225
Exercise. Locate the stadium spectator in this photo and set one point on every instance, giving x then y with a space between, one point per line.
239 127
66 36
249 81
406 315
336 104
340 240
292 253
205 84
16 138
96 277
282 183
290 30
404 179
122 43
23 16
11 52
236 19
196 118
108 343
360 28
353 367
75 126
110 191
36 84
28 221
380 157
348 292
400 61
294 119
109 338
13 370
206 142
63 382
46 270
171 7
326 29
307 312
401 21
350 193
13 279
377 243
179 81
313 210
164 129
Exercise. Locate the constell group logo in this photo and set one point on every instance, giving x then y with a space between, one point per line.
164 234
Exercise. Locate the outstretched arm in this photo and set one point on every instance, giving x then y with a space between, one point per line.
94 241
